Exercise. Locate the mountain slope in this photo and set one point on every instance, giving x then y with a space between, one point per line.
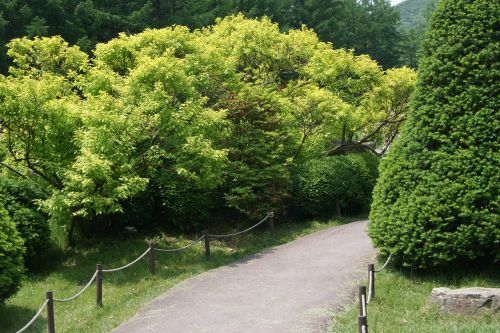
415 12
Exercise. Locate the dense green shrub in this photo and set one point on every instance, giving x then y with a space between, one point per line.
366 165
437 198
17 196
11 256
319 183
173 205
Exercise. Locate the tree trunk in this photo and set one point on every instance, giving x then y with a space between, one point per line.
71 238
337 206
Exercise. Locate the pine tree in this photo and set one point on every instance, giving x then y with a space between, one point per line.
437 200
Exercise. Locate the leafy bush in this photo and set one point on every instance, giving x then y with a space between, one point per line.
437 199
319 183
173 205
11 256
17 197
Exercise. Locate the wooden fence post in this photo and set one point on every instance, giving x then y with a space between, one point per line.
207 244
363 324
362 301
151 258
271 223
371 280
98 285
50 312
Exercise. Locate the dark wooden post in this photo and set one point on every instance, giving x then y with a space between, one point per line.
363 324
271 223
151 258
371 279
50 312
98 285
362 301
207 244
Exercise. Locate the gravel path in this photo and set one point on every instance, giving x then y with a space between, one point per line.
292 288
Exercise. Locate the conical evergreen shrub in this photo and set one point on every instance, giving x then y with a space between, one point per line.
437 198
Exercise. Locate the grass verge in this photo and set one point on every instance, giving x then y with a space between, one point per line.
126 291
401 303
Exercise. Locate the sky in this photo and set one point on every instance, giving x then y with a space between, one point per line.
395 2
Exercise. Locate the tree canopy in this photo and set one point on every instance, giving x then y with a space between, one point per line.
225 111
368 26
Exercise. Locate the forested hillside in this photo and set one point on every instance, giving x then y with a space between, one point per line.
415 16
369 27
415 12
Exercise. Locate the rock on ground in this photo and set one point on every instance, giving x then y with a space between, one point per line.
467 300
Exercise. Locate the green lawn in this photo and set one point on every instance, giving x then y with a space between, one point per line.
125 292
401 304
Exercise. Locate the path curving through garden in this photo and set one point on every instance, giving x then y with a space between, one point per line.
292 288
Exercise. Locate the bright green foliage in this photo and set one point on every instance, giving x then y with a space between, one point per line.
97 149
360 107
11 256
320 182
18 196
437 200
192 120
42 55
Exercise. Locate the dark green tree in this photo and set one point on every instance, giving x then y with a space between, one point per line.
437 199
368 26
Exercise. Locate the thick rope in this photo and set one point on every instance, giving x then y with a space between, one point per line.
385 264
241 232
127 265
79 293
182 248
34 318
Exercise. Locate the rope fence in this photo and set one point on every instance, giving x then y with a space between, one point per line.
364 300
97 277
34 318
385 264
79 293
127 265
240 232
181 248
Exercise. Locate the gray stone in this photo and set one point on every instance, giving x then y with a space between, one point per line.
467 300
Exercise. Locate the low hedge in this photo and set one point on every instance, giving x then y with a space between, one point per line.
319 183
